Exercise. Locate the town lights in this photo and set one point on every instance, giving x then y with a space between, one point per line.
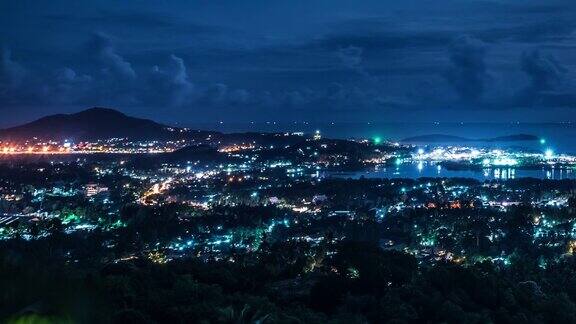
317 136
505 162
549 153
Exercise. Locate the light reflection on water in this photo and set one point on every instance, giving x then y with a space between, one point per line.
426 169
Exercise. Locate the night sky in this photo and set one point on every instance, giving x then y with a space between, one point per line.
330 60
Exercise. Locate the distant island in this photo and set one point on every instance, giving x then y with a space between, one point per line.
442 138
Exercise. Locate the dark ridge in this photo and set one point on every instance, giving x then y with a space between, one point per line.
195 153
90 124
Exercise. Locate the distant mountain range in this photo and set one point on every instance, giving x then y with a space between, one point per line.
441 138
92 124
104 123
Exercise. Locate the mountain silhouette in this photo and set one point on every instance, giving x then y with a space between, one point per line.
91 124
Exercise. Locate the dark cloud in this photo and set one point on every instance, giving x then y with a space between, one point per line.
279 58
386 39
350 56
13 80
467 72
560 29
550 84
545 71
11 73
339 97
69 87
113 82
171 85
101 45
135 19
220 95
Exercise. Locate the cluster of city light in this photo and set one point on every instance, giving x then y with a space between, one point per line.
236 148
487 157
70 150
503 161
114 145
35 150
450 153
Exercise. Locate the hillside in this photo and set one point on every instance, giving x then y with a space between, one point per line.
91 124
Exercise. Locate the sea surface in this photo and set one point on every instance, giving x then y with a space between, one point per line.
431 170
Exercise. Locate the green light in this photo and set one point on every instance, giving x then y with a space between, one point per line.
542 141
377 140
70 218
117 224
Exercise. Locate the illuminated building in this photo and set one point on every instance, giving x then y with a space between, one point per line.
93 189
317 136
